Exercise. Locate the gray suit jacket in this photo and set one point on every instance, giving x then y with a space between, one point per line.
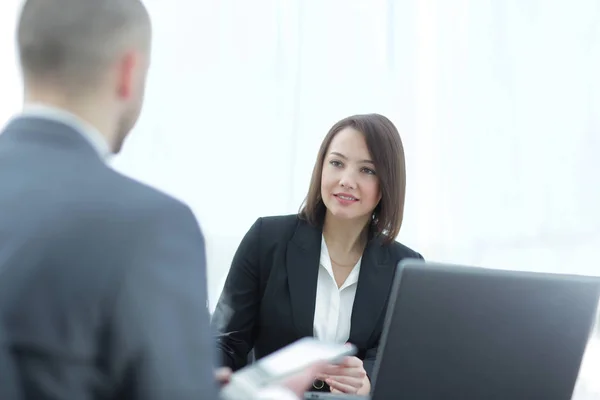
9 384
102 279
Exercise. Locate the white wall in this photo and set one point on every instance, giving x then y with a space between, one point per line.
10 84
497 103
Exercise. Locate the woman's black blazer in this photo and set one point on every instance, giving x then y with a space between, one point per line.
268 300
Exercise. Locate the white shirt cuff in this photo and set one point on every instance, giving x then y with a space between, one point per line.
276 393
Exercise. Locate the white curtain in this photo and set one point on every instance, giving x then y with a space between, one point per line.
497 103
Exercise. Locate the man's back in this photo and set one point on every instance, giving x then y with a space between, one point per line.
102 279
9 384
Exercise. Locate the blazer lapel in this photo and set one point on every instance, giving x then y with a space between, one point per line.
302 264
374 282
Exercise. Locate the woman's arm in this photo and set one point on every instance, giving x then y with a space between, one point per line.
237 310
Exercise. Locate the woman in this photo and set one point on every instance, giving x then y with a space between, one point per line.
327 271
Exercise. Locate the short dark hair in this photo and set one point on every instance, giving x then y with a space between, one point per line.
73 41
385 147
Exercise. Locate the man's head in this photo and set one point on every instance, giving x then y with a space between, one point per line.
90 57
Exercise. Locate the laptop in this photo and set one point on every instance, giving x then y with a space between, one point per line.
459 332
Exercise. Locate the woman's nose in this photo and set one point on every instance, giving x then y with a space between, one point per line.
347 181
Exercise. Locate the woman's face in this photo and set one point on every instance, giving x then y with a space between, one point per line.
349 182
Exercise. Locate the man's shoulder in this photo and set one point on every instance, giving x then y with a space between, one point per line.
116 216
131 195
109 202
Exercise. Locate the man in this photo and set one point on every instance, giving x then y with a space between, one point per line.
102 279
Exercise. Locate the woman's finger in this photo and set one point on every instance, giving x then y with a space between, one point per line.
223 375
348 380
345 383
352 362
332 370
353 372
342 387
358 372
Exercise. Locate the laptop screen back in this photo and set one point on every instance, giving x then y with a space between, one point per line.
473 333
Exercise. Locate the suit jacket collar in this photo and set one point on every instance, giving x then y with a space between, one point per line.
49 132
374 281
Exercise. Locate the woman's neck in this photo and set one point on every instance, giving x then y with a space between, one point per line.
345 236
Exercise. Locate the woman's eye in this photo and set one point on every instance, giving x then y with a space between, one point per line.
335 163
368 171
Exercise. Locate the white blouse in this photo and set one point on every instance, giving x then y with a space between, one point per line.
333 305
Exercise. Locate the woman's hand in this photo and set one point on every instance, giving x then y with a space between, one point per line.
223 376
347 377
301 382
